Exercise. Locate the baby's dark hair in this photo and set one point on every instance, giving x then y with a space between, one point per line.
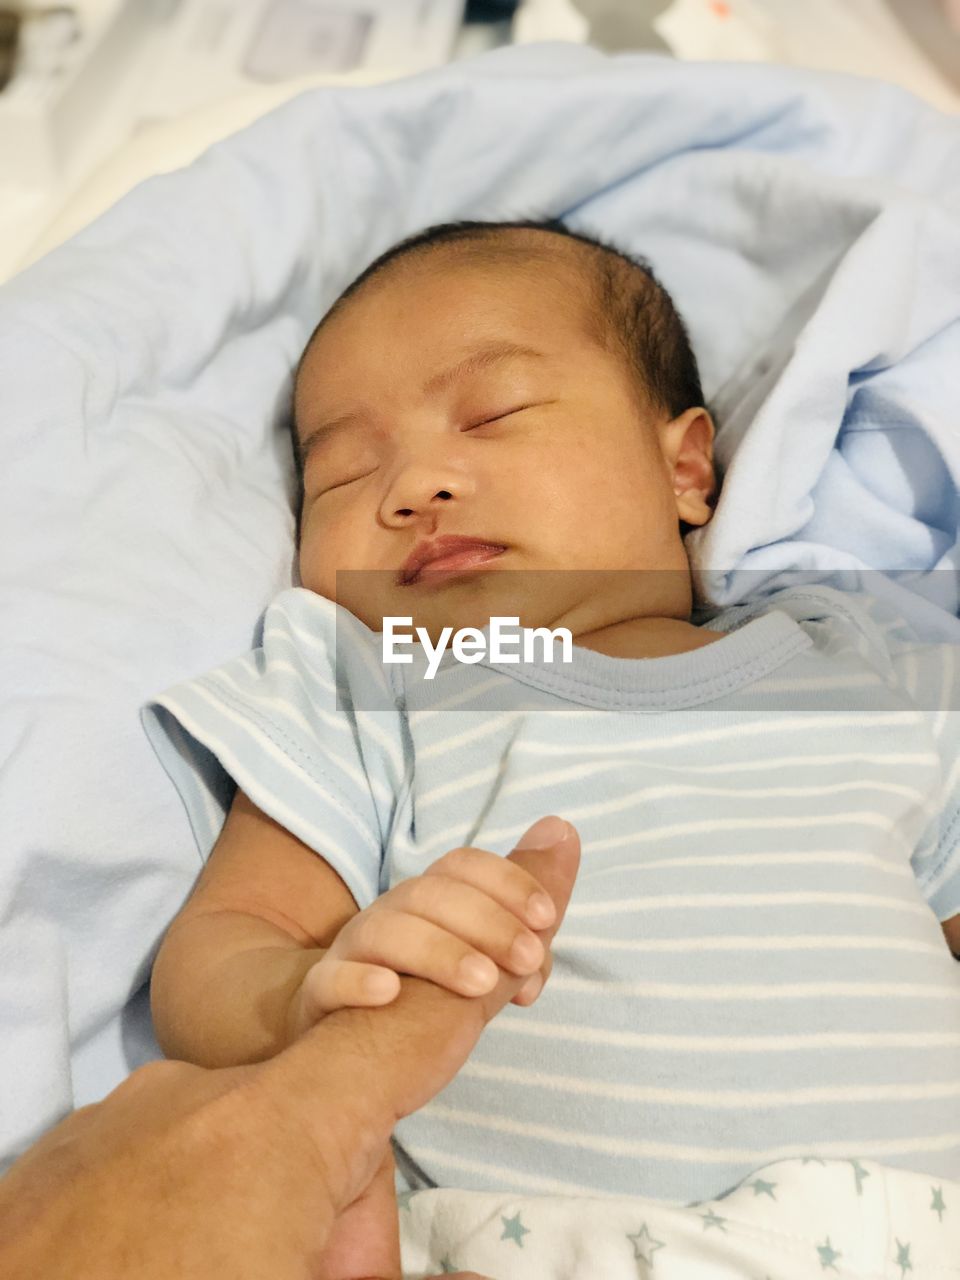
631 312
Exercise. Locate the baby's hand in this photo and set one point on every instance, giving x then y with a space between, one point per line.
453 925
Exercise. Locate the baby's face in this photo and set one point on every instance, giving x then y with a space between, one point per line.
472 400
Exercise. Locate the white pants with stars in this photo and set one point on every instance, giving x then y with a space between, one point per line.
791 1220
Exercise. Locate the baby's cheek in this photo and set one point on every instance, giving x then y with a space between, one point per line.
317 557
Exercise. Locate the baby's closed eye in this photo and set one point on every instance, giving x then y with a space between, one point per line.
487 418
341 465
341 484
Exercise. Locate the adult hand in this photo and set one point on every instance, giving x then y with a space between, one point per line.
429 1037
280 1169
469 908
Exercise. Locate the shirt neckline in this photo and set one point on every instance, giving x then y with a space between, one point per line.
747 652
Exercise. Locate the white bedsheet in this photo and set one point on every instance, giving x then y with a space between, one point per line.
808 226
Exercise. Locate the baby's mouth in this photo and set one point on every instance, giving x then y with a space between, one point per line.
447 557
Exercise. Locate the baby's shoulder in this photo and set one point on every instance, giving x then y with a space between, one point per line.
875 622
825 611
329 646
303 614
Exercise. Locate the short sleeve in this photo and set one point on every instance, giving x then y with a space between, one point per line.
308 725
929 675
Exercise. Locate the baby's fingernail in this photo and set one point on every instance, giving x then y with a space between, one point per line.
379 985
526 952
540 910
543 834
531 988
477 973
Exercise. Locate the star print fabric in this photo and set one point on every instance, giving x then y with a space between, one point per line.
795 1219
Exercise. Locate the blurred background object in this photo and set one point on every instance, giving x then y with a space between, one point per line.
214 47
913 43
33 40
97 94
60 61
9 45
490 10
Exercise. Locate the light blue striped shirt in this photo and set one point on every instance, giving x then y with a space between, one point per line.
751 966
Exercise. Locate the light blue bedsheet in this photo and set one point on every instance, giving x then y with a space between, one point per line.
809 228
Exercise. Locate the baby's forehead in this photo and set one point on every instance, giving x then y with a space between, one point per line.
546 260
542 268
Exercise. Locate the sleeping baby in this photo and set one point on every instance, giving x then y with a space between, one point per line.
505 421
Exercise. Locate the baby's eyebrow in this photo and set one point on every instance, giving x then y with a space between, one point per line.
483 357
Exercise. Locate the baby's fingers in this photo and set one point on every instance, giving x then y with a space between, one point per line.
500 879
345 984
409 944
531 989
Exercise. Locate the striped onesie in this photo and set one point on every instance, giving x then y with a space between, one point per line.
751 966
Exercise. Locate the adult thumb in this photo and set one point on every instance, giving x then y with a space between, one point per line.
550 852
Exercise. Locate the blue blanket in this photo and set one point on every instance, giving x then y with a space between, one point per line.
809 229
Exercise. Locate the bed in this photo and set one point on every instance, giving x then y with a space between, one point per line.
808 226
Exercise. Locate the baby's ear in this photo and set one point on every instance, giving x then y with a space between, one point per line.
688 449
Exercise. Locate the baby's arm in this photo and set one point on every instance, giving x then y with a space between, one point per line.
271 940
951 931
262 913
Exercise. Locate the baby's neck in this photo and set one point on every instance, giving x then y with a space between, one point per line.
647 638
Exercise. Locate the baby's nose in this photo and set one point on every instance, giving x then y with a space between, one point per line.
424 486
442 495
